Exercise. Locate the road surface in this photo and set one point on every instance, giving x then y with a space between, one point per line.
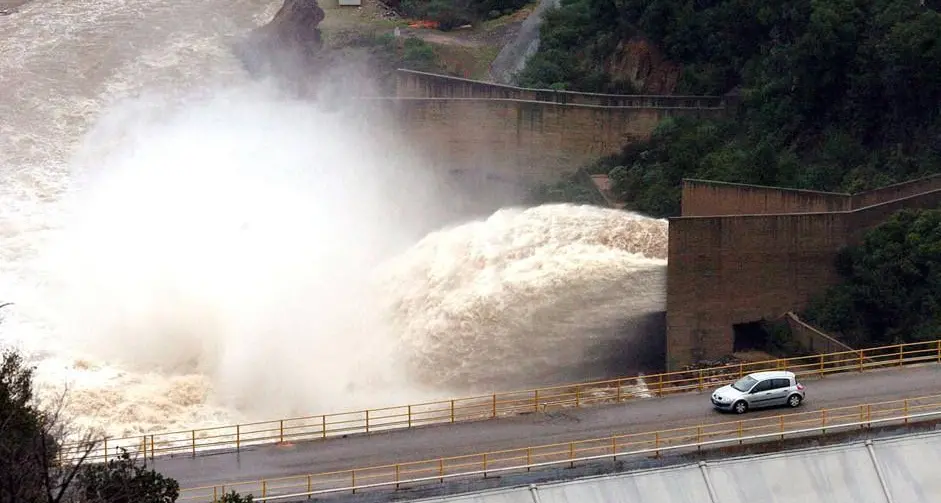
637 416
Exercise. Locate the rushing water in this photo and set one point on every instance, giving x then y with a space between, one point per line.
186 247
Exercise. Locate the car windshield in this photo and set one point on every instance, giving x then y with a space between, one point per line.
745 383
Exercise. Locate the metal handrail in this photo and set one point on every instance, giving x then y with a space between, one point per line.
602 456
576 451
495 405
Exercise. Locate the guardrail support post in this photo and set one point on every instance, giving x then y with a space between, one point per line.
409 416
741 370
106 449
901 354
215 494
396 476
572 454
939 350
740 428
529 457
485 465
452 411
906 411
536 401
441 470
660 387
323 426
264 488
700 380
238 438
281 431
614 448
821 366
699 438
353 479
194 443
860 361
619 391
494 405
656 443
367 420
310 486
577 398
152 449
823 421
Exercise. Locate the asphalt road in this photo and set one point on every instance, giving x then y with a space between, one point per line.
642 415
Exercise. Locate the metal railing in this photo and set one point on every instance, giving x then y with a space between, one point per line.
495 405
653 443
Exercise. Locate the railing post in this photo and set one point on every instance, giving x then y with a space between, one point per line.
572 454
281 431
740 431
238 437
529 457
485 465
700 380
741 370
823 420
494 405
215 494
367 421
906 411
452 411
396 475
821 366
901 354
264 488
441 469
862 416
409 416
310 485
660 387
699 438
619 391
536 401
152 448
869 414
194 443
106 449
781 423
353 478
656 443
323 426
939 350
614 448
860 361
577 400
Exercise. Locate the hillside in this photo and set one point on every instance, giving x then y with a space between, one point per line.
835 95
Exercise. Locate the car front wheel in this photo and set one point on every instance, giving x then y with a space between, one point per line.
740 407
793 400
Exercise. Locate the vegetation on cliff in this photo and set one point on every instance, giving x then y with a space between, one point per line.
891 288
835 95
450 14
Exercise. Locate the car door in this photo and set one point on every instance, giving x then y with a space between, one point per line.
760 394
779 391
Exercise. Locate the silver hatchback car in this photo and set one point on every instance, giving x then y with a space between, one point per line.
760 389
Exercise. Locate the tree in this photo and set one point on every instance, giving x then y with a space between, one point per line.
891 283
31 440
123 480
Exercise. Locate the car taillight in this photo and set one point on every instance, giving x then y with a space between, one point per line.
800 387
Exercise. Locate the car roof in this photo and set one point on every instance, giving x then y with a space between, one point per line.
771 374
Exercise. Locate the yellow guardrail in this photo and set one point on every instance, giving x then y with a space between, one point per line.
190 442
568 453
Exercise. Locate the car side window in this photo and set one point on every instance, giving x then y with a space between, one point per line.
762 386
782 383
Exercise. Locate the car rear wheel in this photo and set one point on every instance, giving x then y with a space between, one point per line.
794 400
740 407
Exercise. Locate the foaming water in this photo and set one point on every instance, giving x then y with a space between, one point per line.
187 248
527 295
